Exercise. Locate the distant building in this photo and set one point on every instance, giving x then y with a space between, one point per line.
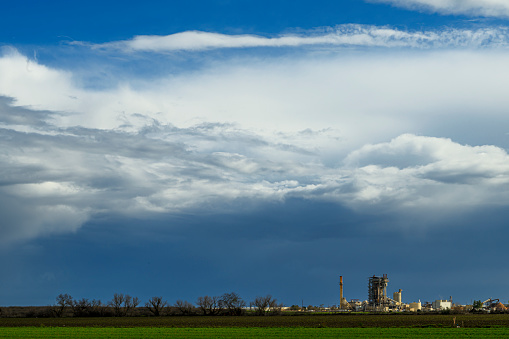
442 305
414 307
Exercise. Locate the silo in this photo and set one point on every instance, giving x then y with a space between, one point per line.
416 306
397 296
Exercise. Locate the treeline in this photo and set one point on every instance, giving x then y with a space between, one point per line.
125 305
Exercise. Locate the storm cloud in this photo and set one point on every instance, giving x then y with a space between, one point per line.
377 131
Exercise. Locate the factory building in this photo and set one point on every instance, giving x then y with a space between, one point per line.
379 301
440 305
377 297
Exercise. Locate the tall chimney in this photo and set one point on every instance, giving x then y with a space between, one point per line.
340 291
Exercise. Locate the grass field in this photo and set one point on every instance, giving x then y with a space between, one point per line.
250 332
303 326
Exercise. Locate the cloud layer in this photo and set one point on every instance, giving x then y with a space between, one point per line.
54 179
483 8
378 132
422 171
340 36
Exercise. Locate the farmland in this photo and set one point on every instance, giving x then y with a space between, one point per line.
285 326
303 321
251 332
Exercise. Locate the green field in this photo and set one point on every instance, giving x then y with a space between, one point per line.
296 326
251 332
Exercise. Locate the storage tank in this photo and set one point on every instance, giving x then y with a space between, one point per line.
397 296
416 306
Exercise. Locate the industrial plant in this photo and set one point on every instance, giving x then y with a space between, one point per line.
379 301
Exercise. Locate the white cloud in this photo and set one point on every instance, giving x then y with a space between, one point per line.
336 128
484 8
407 93
341 36
423 172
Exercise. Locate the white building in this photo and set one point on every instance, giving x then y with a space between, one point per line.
441 305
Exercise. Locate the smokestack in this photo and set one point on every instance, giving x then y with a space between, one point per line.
341 291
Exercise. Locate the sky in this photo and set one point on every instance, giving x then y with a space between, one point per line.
191 148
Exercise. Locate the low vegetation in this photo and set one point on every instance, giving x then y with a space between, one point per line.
304 320
305 325
242 332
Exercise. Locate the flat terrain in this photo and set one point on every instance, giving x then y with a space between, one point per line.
306 321
251 332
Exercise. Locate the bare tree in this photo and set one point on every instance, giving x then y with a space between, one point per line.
267 304
79 308
184 307
86 308
208 305
232 303
275 307
62 301
130 304
156 305
116 303
262 304
96 308
123 304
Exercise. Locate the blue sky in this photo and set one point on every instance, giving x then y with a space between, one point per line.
194 148
103 21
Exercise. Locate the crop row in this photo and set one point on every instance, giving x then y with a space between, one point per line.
299 332
308 321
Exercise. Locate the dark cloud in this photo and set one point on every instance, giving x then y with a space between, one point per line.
294 251
261 177
22 116
76 172
157 169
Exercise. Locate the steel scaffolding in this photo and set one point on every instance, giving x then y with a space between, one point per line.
377 292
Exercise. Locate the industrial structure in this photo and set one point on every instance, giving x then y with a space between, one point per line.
377 293
442 305
343 304
379 301
397 296
495 304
